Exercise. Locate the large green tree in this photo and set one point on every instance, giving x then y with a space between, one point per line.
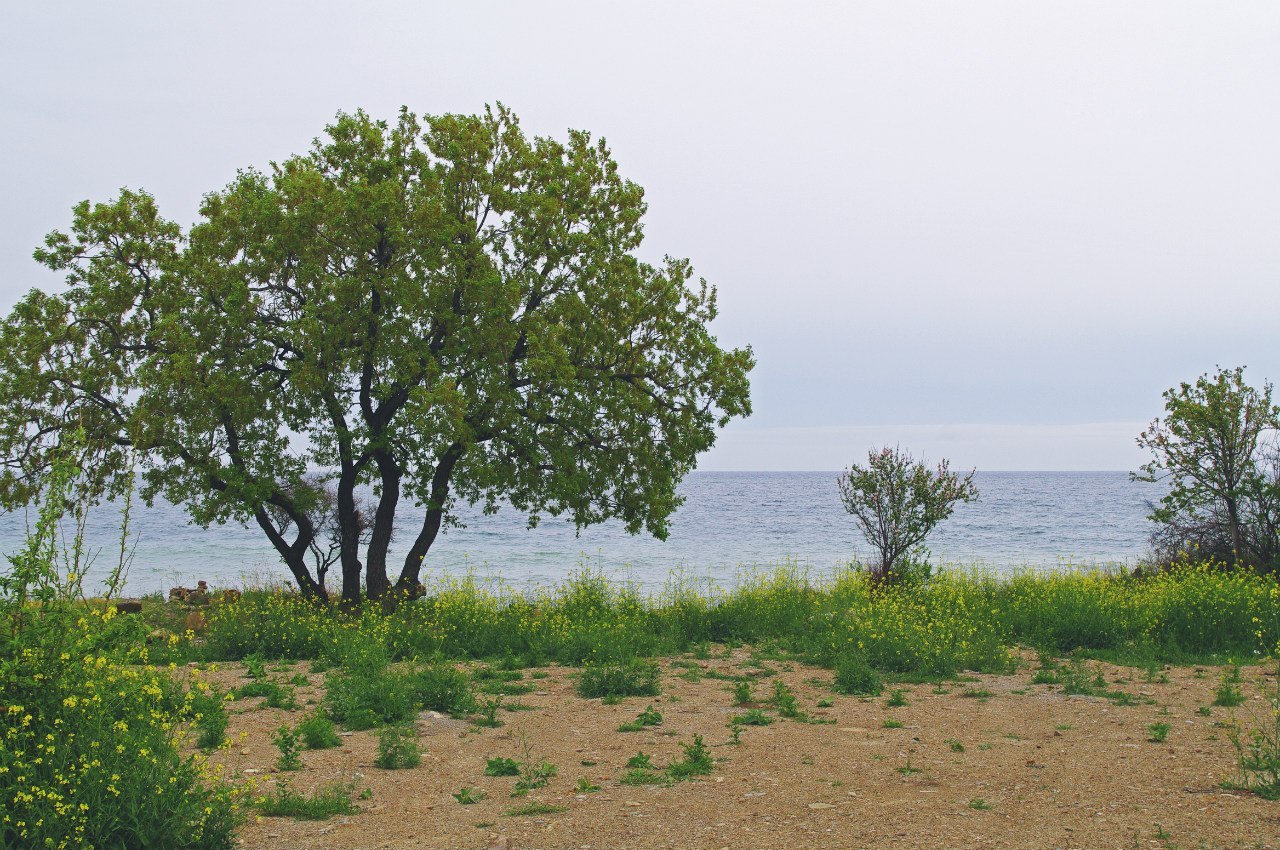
1209 450
441 307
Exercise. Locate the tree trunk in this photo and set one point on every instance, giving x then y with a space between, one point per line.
383 524
294 556
410 576
1233 520
349 535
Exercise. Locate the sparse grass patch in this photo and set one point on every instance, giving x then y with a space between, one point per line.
501 766
649 717
752 717
1229 694
488 717
534 808
1258 749
533 773
784 700
468 796
631 678
643 776
323 803
277 695
209 715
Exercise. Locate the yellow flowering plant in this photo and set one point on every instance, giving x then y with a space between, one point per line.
89 730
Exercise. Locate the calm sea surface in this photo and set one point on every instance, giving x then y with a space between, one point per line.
730 521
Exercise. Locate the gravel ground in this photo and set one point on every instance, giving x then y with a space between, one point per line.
1023 767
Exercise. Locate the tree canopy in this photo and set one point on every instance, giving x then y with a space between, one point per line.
898 500
440 307
1223 475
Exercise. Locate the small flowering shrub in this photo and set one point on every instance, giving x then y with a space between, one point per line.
89 731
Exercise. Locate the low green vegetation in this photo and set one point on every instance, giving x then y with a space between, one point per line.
1229 694
275 695
286 741
317 732
696 760
633 677
502 766
92 729
1257 741
530 809
398 748
752 717
649 717
209 715
469 796
387 660
324 802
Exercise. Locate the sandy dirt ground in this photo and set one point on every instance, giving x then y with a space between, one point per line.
1024 767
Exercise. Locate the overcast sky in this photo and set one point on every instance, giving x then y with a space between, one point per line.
990 231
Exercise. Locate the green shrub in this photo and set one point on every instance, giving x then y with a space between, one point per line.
1258 749
502 767
366 692
444 688
631 678
469 796
784 700
286 741
697 760
317 732
398 748
855 676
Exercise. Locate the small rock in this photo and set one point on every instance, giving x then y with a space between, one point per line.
502 842
633 803
818 806
245 752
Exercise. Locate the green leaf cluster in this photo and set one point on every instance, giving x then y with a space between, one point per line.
441 307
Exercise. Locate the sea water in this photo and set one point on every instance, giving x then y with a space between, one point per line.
729 522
